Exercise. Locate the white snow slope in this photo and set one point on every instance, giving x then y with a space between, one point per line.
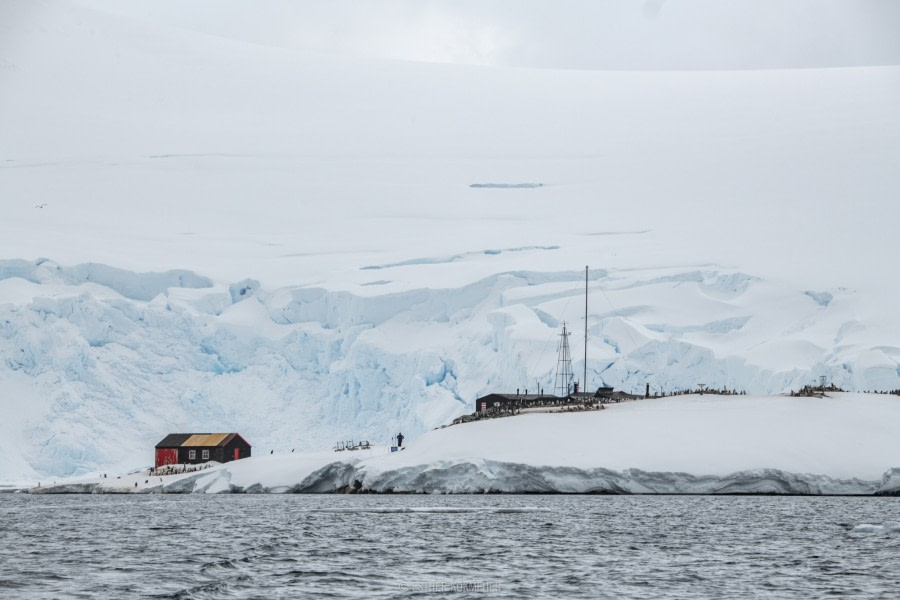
840 444
203 234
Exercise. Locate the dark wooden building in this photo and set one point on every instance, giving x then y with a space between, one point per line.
516 401
507 401
194 448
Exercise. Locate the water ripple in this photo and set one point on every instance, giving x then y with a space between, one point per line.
263 546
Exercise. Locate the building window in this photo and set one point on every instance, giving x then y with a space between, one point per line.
206 455
192 454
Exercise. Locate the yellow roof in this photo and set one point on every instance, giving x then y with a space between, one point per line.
209 439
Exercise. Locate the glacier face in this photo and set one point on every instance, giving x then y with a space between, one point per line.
118 359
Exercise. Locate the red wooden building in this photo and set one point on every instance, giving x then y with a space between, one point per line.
194 448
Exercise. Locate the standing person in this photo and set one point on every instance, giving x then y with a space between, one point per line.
399 440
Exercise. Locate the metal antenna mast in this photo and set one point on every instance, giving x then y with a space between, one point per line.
584 385
564 373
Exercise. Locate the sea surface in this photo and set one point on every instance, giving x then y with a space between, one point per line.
497 546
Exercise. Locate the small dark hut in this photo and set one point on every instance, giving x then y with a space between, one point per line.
505 402
508 401
195 448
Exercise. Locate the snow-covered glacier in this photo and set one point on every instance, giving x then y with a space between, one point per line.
200 233
107 361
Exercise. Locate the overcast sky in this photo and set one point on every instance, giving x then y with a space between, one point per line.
581 34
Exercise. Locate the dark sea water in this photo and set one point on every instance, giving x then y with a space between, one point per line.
297 546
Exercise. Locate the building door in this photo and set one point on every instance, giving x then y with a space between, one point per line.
237 453
166 456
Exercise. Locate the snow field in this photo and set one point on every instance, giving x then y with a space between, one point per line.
840 444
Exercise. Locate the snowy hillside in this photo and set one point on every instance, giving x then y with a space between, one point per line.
840 444
202 233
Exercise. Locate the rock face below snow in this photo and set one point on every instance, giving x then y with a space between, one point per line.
477 477
890 483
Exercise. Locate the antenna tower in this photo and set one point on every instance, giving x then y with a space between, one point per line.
584 385
564 373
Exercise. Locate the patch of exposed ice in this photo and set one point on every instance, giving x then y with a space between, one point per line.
886 527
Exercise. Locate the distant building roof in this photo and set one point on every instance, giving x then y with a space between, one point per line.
516 396
182 440
205 439
173 440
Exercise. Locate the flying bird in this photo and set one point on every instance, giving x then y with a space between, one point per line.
40 205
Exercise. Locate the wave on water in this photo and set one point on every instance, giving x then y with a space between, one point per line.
432 509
